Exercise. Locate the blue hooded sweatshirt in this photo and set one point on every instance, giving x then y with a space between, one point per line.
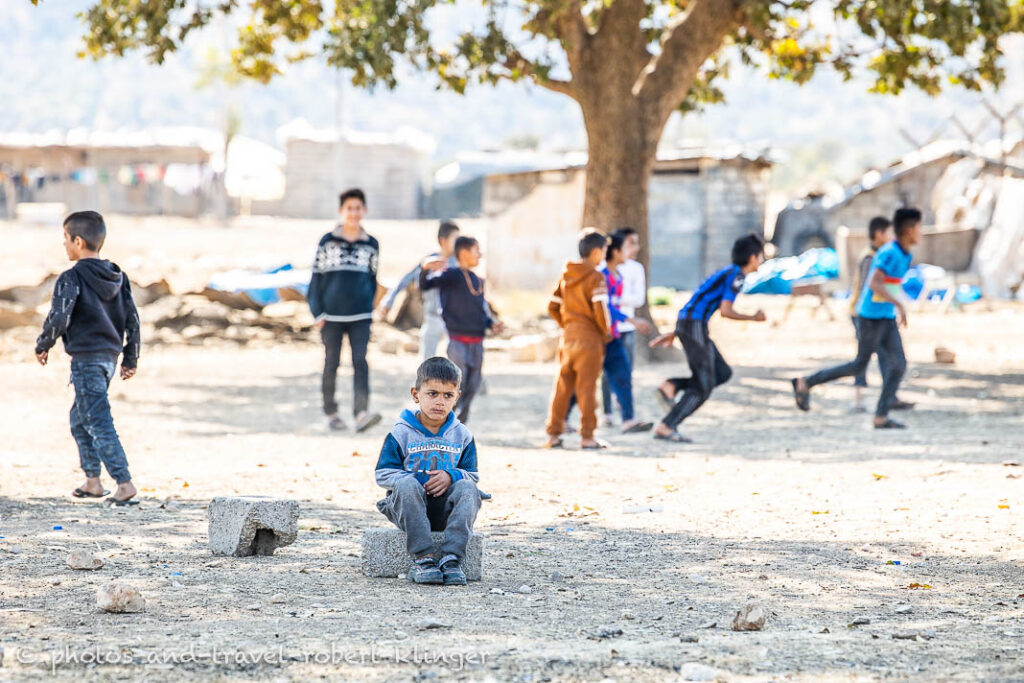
410 450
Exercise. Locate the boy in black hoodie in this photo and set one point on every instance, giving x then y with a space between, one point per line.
93 312
341 297
466 315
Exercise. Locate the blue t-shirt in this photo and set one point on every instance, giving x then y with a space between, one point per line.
722 286
894 263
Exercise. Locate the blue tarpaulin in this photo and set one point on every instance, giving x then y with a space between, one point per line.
776 276
263 286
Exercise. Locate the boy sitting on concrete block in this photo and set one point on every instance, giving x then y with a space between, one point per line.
428 466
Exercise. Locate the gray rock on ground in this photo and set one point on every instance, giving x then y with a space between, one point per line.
384 554
119 597
750 618
251 525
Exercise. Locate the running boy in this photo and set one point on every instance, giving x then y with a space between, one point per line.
94 314
707 367
880 233
341 297
466 315
432 330
580 307
428 466
879 315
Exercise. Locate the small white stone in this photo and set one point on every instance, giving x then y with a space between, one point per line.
278 598
83 559
750 618
904 609
695 671
119 597
526 590
432 623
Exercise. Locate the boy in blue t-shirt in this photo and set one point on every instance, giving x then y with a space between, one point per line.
707 367
880 313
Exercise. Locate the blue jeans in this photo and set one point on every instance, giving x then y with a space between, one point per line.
92 425
629 343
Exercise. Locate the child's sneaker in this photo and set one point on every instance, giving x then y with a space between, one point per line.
335 423
451 568
365 420
425 570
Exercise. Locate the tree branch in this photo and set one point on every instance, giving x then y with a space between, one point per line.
687 44
515 61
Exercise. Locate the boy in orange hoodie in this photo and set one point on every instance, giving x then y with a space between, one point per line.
580 307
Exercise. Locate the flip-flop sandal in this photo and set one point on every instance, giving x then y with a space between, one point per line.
903 405
674 437
114 502
803 398
639 427
891 424
596 447
79 493
557 444
666 403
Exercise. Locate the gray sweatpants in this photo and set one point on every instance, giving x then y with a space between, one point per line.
410 509
470 359
432 332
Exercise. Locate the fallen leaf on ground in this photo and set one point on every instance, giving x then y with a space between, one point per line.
918 585
879 477
819 512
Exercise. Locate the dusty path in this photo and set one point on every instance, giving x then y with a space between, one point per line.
803 513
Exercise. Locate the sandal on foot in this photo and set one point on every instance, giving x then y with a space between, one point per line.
641 426
557 443
81 493
891 424
674 437
114 502
803 398
598 445
902 405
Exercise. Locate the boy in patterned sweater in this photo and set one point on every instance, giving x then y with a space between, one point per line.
341 297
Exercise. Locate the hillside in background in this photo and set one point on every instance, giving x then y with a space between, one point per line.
827 129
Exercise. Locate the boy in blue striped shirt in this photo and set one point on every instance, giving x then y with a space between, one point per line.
707 367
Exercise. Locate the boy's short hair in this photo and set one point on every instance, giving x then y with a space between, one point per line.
89 226
878 224
446 230
745 247
591 239
625 232
440 369
464 243
353 193
615 243
904 219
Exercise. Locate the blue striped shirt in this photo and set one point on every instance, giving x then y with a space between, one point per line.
724 285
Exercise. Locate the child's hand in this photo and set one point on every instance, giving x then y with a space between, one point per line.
662 340
760 317
127 373
439 264
642 326
438 483
319 324
498 327
42 357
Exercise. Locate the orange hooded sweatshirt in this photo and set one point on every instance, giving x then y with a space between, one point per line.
580 303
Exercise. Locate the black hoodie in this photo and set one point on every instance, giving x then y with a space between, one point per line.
92 312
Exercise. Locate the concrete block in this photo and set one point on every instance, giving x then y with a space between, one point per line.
384 554
252 525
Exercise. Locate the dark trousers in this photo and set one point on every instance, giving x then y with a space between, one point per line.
92 425
358 338
707 370
875 335
628 339
861 380
470 360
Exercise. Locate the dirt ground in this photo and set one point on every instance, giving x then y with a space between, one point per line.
820 519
